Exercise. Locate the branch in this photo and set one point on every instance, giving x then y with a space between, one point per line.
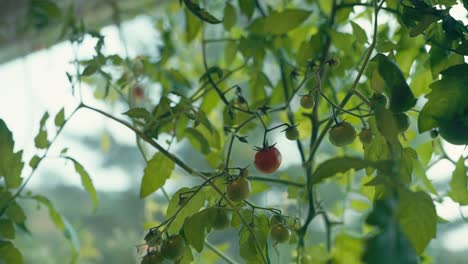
278 181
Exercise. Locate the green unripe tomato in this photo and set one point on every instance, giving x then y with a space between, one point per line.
366 136
307 101
342 134
402 121
292 133
173 247
221 220
154 257
280 233
238 189
276 219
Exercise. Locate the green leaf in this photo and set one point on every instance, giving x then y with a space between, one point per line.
187 258
198 141
389 245
192 26
308 50
342 164
201 13
447 100
388 128
16 213
347 249
247 240
236 221
61 224
60 118
196 225
138 112
420 173
442 59
212 70
10 162
230 16
9 254
359 33
259 187
397 90
54 215
408 155
90 69
230 51
423 24
7 229
459 183
278 23
187 206
247 7
86 181
178 78
41 140
157 171
417 217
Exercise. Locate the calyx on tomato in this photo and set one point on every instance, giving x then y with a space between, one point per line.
268 159
276 219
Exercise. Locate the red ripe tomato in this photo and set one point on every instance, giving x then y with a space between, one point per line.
268 160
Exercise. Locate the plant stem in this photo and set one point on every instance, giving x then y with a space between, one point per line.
278 181
220 253
353 87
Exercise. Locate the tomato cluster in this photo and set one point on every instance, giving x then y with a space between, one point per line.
279 232
172 248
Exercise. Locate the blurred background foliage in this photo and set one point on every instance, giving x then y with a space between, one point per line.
114 232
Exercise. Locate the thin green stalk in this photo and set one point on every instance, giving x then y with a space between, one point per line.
278 181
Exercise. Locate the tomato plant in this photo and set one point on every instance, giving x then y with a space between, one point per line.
231 75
